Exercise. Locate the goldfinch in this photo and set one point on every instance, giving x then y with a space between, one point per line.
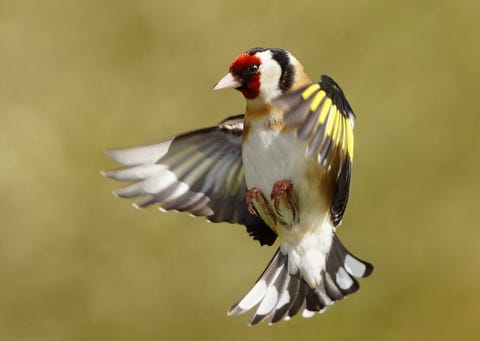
283 170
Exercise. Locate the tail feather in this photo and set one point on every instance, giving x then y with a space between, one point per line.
281 295
271 299
285 302
354 266
298 300
258 291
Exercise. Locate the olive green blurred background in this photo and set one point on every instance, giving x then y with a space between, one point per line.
79 77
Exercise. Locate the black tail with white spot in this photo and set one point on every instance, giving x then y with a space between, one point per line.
280 295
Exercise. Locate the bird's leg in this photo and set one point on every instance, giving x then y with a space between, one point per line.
259 206
285 201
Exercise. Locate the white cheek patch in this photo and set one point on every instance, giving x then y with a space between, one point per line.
270 75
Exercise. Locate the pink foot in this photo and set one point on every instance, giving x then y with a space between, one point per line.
284 200
259 206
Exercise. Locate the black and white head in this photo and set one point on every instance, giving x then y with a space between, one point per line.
261 74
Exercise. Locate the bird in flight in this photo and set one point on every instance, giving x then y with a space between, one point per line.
282 169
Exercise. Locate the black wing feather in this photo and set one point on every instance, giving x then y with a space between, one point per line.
199 172
324 119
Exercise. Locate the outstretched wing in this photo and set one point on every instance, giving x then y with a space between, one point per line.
323 117
199 172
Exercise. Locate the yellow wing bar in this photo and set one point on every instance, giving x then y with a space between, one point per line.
323 119
332 120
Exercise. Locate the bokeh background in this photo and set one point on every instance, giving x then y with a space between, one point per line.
79 77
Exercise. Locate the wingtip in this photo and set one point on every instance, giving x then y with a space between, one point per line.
117 155
108 174
109 152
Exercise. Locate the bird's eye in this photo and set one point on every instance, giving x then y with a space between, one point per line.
252 69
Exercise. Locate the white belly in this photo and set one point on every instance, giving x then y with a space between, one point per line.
269 157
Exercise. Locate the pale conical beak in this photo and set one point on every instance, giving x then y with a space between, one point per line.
229 81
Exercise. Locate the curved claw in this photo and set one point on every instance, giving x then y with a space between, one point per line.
258 205
285 201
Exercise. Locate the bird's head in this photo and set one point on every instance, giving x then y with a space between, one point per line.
261 74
